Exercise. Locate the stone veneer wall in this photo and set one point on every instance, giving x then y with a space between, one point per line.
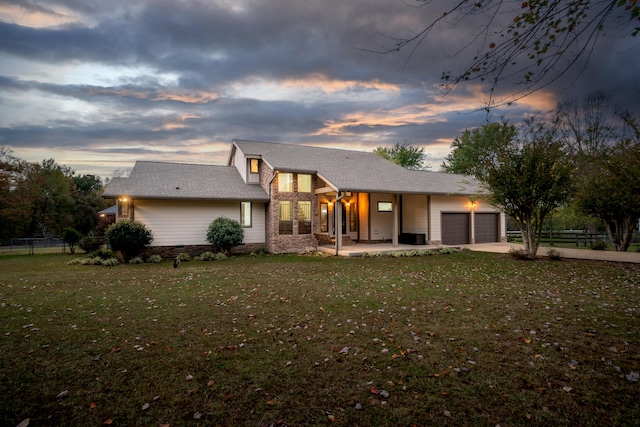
195 250
294 243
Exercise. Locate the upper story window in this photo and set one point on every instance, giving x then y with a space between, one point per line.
254 165
253 176
285 182
304 183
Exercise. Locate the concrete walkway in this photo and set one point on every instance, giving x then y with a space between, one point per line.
613 256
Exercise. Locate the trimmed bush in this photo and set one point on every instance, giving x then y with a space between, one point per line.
90 243
136 260
599 246
183 256
224 234
210 256
154 259
71 237
103 253
128 237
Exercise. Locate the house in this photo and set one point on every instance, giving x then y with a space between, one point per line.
291 197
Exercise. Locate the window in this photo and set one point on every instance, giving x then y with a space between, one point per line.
124 208
385 207
285 182
285 213
254 165
304 183
324 217
304 217
245 214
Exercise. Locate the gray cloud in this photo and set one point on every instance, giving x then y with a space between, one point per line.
174 76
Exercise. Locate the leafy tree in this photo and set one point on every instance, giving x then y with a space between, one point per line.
605 146
71 237
531 43
42 203
525 173
405 155
610 190
88 201
128 237
225 233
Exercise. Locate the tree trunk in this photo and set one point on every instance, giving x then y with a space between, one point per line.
621 234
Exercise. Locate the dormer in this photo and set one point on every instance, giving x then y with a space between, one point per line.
247 165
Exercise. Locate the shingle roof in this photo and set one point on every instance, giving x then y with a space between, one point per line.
159 180
357 171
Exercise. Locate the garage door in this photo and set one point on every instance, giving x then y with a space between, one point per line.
486 227
455 228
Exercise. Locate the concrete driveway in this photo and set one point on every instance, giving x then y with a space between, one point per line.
613 256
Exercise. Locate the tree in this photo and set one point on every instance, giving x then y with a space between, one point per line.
71 237
525 173
225 233
128 237
531 43
406 155
605 146
88 201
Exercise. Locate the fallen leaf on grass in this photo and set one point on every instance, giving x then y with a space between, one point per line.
332 418
189 377
197 415
64 393
93 405
24 423
374 390
447 413
567 389
145 406
108 422
210 383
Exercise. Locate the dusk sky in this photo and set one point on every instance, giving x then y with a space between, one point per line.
97 85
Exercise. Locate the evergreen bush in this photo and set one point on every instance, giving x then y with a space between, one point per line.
128 237
225 233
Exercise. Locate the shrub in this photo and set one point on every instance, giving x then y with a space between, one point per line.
599 246
210 256
225 233
71 237
183 256
136 260
110 262
554 254
450 250
520 254
103 253
262 250
128 237
154 259
90 243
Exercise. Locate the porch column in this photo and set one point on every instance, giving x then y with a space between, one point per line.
396 220
337 212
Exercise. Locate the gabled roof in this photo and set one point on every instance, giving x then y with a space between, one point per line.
356 171
159 180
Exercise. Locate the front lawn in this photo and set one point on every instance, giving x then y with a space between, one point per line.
457 339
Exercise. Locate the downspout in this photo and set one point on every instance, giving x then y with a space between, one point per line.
337 227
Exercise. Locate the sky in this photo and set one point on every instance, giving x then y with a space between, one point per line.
97 85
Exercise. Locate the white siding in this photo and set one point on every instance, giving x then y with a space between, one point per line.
176 223
381 222
240 163
415 214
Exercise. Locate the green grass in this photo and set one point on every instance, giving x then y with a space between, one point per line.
458 339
